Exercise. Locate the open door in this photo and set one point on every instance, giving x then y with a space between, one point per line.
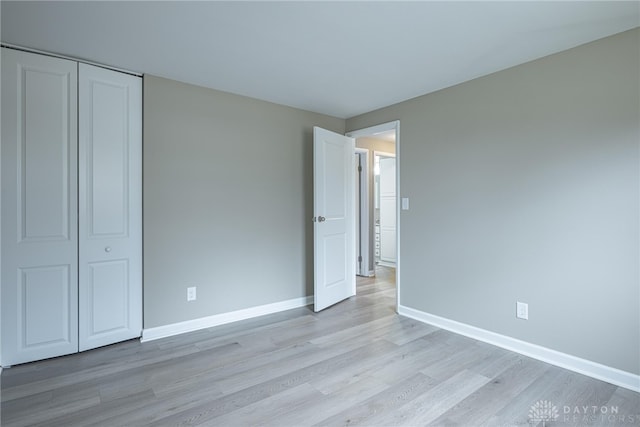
334 218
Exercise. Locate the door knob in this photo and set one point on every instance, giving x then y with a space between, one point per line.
107 249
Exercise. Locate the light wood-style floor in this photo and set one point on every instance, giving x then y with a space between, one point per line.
356 363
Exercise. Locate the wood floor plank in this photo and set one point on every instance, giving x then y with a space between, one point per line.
283 365
482 404
457 360
626 405
407 330
25 412
577 404
207 372
351 395
270 411
228 403
341 378
369 329
159 408
369 411
93 373
260 336
544 388
101 359
432 350
434 402
99 412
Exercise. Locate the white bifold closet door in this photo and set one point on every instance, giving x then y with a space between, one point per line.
110 206
71 207
39 207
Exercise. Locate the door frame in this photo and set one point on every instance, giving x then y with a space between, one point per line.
372 131
363 218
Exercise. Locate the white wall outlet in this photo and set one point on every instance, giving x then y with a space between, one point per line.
405 203
522 310
191 293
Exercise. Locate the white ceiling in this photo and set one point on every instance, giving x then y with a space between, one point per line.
337 58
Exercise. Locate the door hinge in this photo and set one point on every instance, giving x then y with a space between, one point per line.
359 258
359 168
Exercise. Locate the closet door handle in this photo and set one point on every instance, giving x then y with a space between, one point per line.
107 249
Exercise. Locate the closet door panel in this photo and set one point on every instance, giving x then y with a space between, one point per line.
107 291
110 198
44 306
43 149
39 207
107 158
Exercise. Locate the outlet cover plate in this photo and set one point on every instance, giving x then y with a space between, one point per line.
522 310
191 293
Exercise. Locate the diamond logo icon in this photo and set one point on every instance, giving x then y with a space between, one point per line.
543 411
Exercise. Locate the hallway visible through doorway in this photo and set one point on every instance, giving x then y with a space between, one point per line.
378 230
382 285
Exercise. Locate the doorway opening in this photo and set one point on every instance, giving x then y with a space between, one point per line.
377 203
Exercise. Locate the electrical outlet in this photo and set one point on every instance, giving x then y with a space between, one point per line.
191 293
522 310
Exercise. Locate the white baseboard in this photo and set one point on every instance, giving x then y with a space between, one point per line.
586 367
387 264
158 332
370 273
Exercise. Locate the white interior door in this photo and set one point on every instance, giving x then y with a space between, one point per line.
39 207
110 200
334 216
388 210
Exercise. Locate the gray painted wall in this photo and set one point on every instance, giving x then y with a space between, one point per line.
373 145
228 201
524 185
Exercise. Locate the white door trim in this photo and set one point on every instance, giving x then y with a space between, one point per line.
364 212
373 130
